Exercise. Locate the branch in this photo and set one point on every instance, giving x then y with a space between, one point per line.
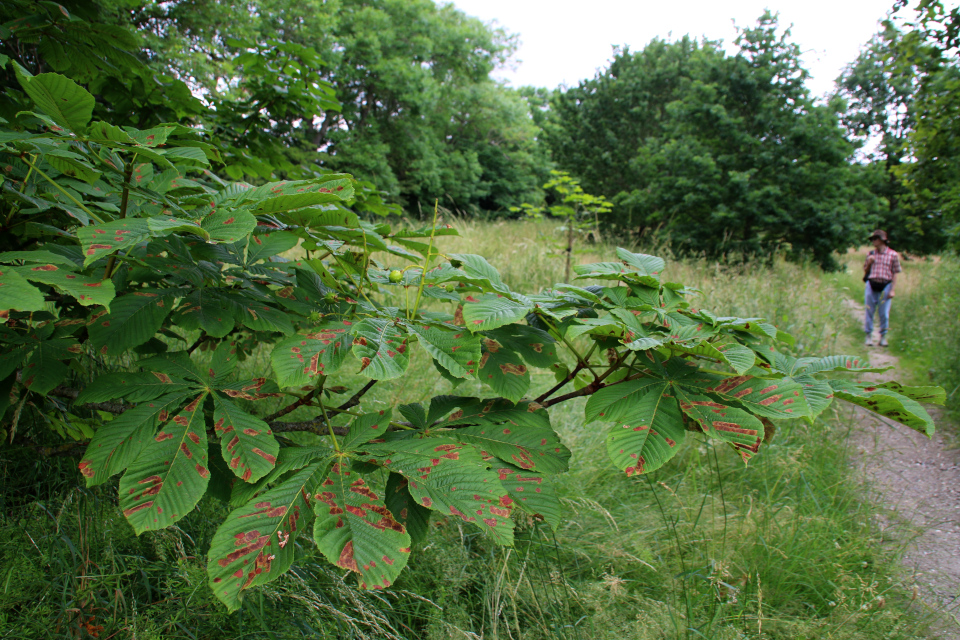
305 400
355 398
66 392
308 425
590 389
570 376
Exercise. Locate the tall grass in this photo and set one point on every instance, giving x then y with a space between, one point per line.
925 323
703 548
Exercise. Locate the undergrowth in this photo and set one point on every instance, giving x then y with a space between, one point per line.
702 548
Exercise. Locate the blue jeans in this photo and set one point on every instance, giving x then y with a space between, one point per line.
872 300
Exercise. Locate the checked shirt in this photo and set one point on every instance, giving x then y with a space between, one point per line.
885 264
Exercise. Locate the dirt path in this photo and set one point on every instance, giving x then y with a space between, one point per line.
918 481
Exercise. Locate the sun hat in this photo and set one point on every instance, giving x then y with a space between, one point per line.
879 233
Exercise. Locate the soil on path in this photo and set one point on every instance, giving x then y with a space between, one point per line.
917 480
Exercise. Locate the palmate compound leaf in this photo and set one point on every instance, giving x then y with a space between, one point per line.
256 543
170 475
355 530
648 428
743 431
299 359
486 311
381 348
532 492
887 403
452 479
118 442
247 444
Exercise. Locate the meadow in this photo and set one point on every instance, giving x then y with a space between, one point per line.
705 547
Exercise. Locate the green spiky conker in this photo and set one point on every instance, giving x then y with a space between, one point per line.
396 276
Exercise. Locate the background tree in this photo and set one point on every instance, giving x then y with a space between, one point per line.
721 153
931 46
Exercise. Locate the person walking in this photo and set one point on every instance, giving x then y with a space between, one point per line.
880 274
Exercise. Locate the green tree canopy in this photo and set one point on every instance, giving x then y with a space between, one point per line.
724 153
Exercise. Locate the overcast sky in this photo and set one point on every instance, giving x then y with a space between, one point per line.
563 42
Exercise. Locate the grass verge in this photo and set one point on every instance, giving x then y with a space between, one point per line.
703 548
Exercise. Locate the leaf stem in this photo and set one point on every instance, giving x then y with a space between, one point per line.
62 190
326 420
124 201
23 185
426 260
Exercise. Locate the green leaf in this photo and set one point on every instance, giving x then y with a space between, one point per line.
840 363
818 393
44 369
777 399
503 371
118 442
206 309
528 448
739 357
644 264
229 226
18 294
355 530
451 478
740 429
414 518
617 401
177 363
648 433
532 492
88 291
105 133
256 543
381 349
38 256
935 395
101 240
887 403
614 271
299 359
490 310
264 246
366 428
457 351
69 104
73 168
131 386
247 444
170 475
278 197
133 319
